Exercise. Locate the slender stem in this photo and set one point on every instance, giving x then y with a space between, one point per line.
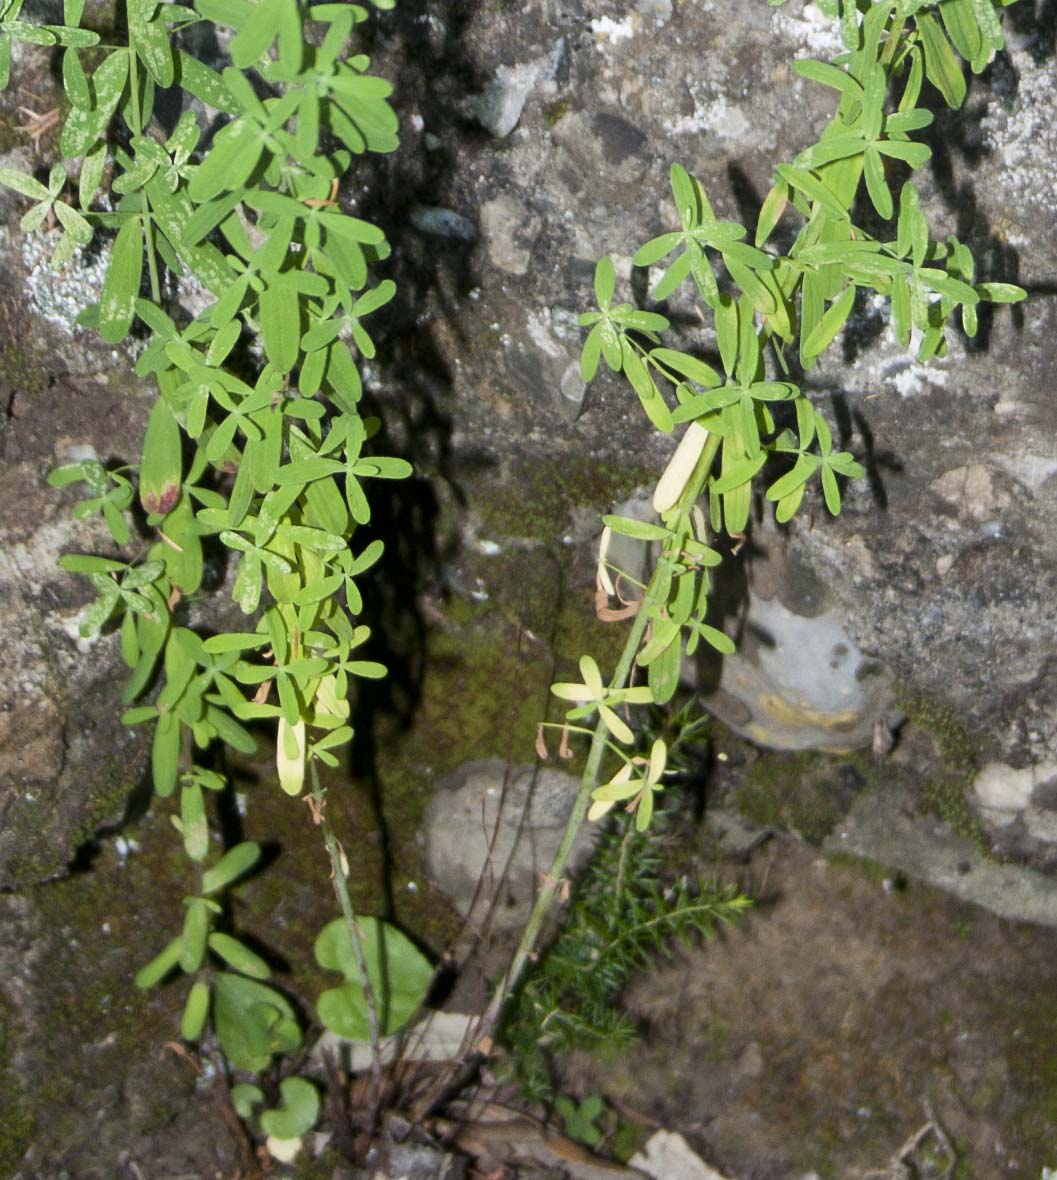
589 779
148 222
340 881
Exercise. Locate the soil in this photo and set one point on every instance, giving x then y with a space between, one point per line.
848 1012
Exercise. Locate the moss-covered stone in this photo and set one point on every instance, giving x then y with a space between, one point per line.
805 791
943 791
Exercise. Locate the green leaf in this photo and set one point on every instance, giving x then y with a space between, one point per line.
605 281
165 754
23 183
721 642
398 972
231 866
244 1097
813 188
161 468
876 184
959 19
83 127
771 211
941 66
195 1011
150 41
252 1021
641 530
280 324
117 302
829 75
92 168
914 154
205 84
740 473
1001 292
193 823
193 941
236 955
663 674
160 966
824 332
689 366
655 249
298 1113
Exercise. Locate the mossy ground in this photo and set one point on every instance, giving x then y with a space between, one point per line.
807 792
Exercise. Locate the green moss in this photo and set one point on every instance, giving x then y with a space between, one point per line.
789 790
535 499
944 793
871 870
1032 1057
554 112
18 1124
955 742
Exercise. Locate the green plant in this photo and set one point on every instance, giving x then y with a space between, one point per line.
255 448
621 917
580 1117
774 312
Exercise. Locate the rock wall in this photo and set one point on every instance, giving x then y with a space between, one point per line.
536 138
549 129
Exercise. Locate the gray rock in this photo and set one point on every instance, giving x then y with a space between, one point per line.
67 764
797 680
879 829
491 830
443 223
509 230
499 108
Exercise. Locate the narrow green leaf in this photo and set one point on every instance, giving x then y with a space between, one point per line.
231 866
238 956
876 185
193 823
824 332
23 183
605 281
117 302
941 66
195 1011
160 966
829 75
161 467
165 754
193 940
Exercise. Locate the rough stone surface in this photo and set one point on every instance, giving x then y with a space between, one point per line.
942 566
490 831
67 764
879 829
668 1156
797 680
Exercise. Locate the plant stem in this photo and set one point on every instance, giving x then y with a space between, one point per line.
589 779
148 221
339 878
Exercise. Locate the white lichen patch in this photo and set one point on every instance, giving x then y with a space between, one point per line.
812 29
716 117
615 31
59 296
1020 132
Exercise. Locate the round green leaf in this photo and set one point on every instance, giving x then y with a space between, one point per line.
298 1113
398 972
